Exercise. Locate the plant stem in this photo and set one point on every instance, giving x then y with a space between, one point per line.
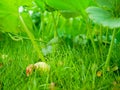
94 46
32 38
55 25
91 38
110 50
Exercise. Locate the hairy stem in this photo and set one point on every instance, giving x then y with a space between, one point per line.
110 50
32 38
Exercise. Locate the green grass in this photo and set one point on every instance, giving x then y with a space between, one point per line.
71 68
82 50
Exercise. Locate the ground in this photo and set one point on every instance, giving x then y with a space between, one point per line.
71 68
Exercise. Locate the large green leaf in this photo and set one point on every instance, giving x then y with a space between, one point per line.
103 17
106 3
71 7
111 5
40 4
9 14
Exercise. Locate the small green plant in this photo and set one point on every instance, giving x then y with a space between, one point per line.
106 14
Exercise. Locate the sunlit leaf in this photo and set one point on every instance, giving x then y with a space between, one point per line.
9 14
103 17
105 3
40 4
71 7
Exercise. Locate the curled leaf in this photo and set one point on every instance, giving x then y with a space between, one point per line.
42 67
29 69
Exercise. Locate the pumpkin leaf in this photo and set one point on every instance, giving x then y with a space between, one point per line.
9 14
103 17
40 4
70 8
106 3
